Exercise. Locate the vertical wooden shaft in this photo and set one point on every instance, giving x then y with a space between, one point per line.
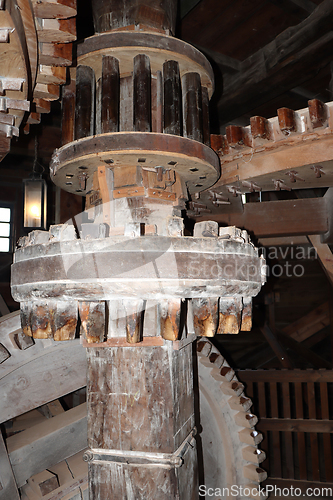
172 98
67 113
114 14
192 106
110 95
141 94
98 107
140 401
205 116
85 102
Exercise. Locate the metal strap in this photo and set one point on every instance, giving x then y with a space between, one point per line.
165 460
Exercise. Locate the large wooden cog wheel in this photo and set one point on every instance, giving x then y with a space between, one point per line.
36 372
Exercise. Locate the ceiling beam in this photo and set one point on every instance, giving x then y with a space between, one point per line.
226 63
299 8
278 218
186 6
293 57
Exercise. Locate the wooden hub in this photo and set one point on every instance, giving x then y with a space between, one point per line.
193 161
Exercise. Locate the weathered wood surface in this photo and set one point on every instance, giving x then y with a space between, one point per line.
110 90
159 48
48 443
133 12
67 114
196 162
172 99
84 102
282 64
8 487
141 93
139 400
60 366
214 261
192 106
279 218
295 416
309 324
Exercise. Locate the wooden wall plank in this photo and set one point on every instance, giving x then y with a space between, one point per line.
288 435
300 435
327 439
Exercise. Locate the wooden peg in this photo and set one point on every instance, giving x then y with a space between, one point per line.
318 113
287 122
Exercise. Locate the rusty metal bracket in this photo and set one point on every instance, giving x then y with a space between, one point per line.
164 460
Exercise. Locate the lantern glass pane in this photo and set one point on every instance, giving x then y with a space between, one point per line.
34 203
4 214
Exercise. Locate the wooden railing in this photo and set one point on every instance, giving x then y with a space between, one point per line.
295 410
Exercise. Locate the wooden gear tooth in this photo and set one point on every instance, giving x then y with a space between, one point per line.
232 388
4 353
41 320
92 315
229 315
253 455
250 436
204 347
169 318
25 314
205 316
245 419
240 403
134 311
246 324
254 473
65 319
23 341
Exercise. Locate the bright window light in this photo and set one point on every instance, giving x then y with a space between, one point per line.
4 214
4 244
5 229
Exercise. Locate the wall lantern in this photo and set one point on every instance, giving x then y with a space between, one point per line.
35 193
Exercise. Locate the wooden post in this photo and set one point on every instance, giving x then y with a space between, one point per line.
110 95
141 94
159 15
85 102
172 98
140 412
192 106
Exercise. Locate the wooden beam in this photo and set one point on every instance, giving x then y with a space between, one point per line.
186 6
295 425
304 352
226 63
298 8
291 376
8 487
278 218
302 484
309 324
279 350
295 56
325 256
48 443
